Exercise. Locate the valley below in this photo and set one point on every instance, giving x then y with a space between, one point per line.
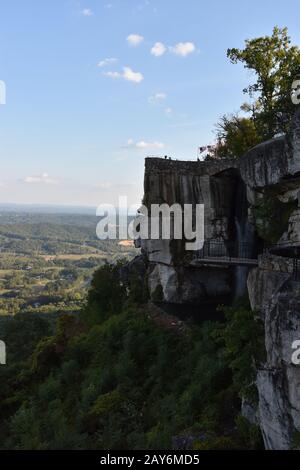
47 261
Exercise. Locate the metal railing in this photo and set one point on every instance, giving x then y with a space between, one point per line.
226 250
287 249
233 250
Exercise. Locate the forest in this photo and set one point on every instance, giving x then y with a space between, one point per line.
127 394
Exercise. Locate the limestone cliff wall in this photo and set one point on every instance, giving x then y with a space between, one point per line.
274 162
214 184
269 175
271 172
275 294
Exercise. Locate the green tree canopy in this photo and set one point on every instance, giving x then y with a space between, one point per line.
275 64
235 136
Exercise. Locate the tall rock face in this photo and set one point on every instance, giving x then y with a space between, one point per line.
172 276
271 172
274 293
255 199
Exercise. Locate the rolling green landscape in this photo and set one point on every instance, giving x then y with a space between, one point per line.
47 261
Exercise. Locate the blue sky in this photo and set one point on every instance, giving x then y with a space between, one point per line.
76 127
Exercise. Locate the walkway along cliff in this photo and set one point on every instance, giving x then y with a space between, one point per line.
252 203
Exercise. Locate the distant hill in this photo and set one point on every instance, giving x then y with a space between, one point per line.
46 209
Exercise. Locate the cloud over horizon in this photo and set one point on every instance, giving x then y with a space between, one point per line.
127 74
134 39
144 145
181 49
107 61
159 49
44 178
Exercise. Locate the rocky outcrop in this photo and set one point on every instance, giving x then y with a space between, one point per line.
266 164
275 161
275 294
271 172
214 184
255 199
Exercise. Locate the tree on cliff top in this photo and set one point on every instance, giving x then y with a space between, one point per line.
235 135
275 64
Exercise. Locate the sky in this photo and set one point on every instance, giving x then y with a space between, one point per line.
95 86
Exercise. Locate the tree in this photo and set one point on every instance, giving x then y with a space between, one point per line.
107 294
235 135
276 64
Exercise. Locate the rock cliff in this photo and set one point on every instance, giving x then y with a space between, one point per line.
253 200
217 185
275 294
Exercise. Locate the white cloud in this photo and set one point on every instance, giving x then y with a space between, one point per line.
149 145
158 49
43 178
112 74
157 98
183 48
135 39
144 145
107 61
132 76
87 12
128 74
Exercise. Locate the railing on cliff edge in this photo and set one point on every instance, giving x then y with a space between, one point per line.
226 252
240 253
287 250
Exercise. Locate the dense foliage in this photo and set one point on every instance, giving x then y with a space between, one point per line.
275 65
112 379
235 135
